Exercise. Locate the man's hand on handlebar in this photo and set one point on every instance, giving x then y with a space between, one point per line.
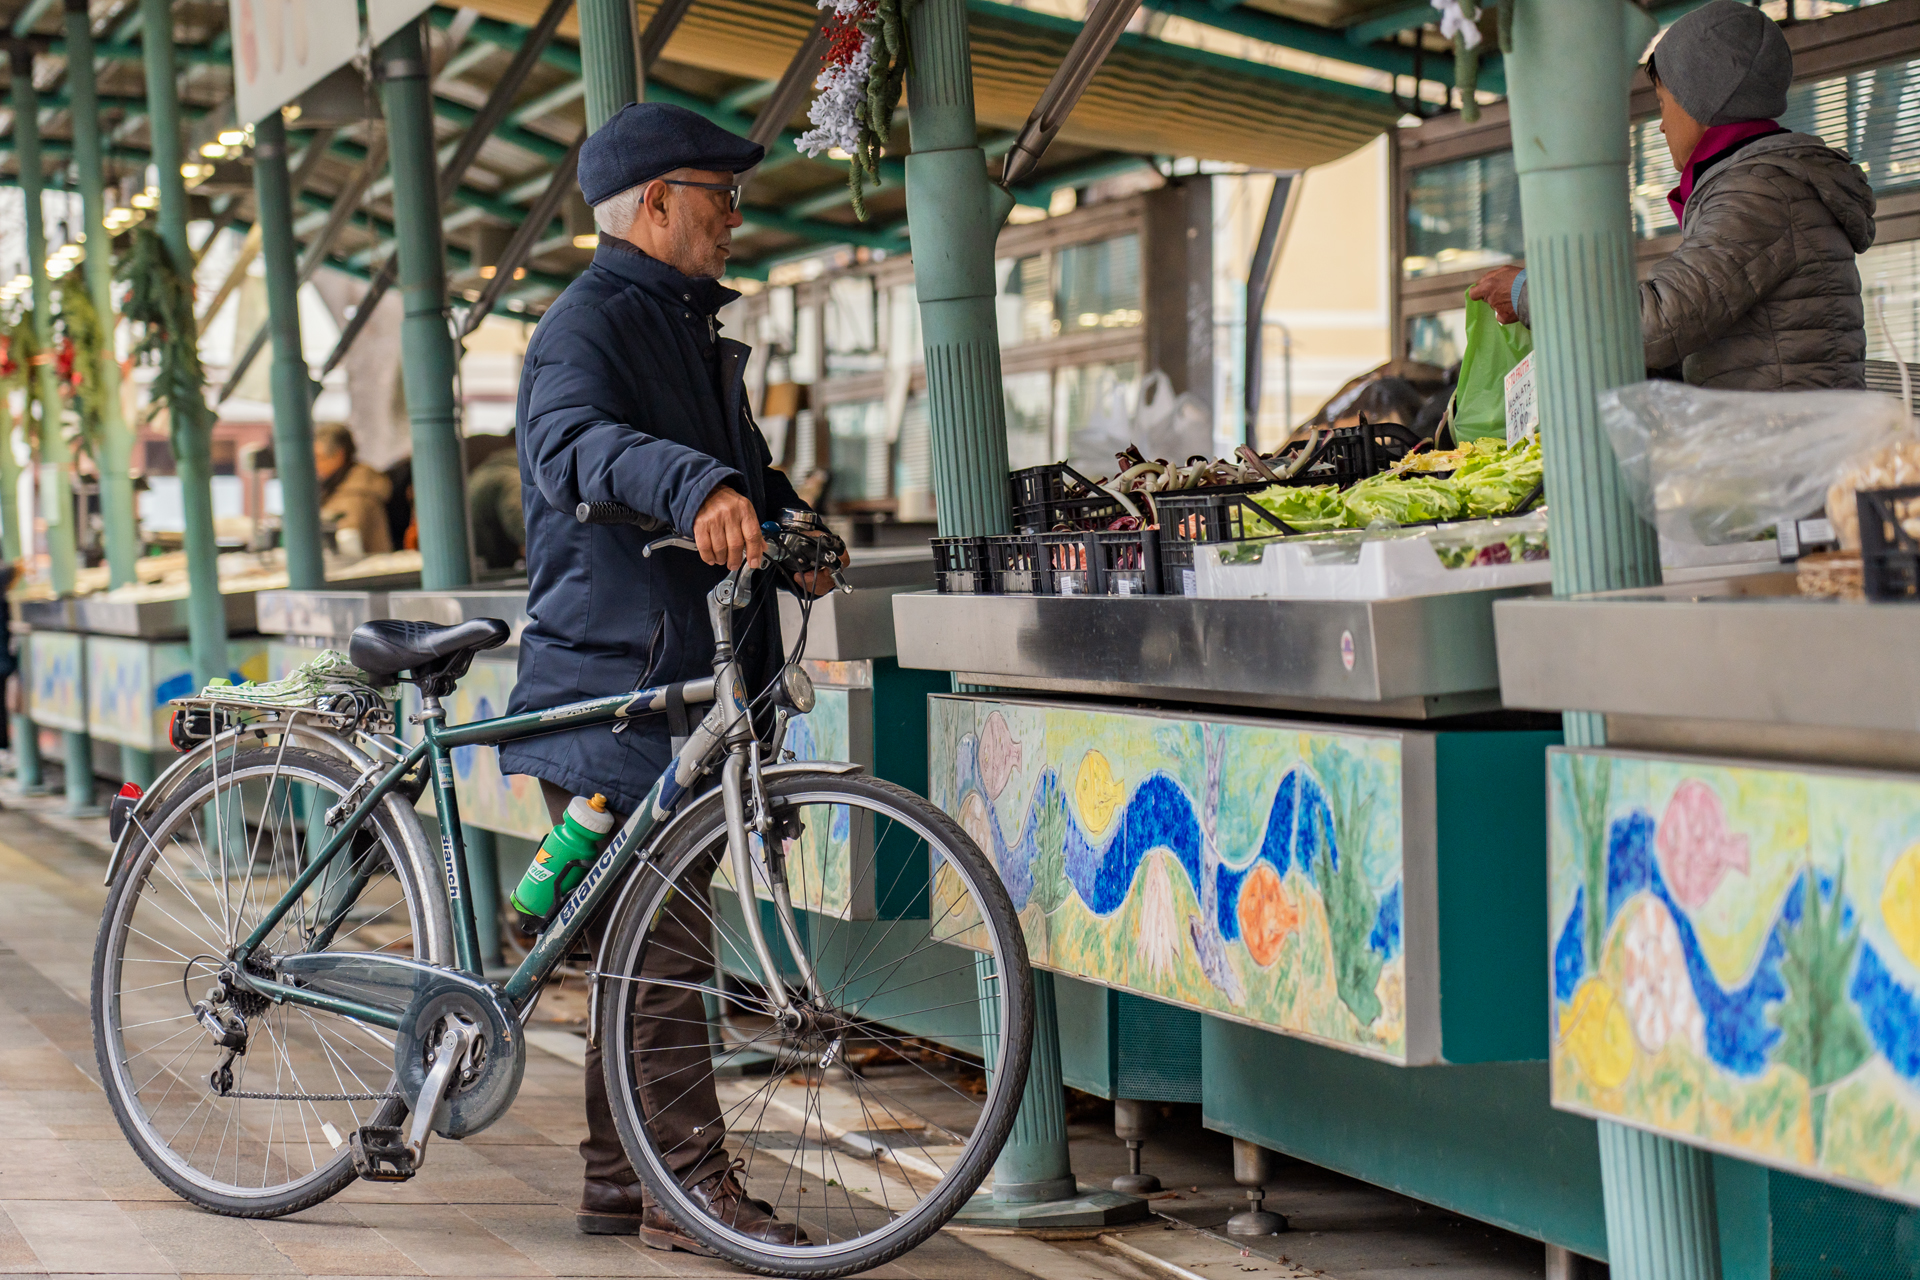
727 530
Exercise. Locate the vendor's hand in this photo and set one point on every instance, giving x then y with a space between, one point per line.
1496 290
727 529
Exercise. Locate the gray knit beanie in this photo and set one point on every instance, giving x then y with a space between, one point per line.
1726 62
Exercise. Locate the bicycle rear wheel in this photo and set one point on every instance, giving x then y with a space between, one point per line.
873 1115
204 870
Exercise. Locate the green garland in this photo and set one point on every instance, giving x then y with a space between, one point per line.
80 324
161 304
885 75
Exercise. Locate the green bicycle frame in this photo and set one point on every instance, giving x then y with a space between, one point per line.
437 746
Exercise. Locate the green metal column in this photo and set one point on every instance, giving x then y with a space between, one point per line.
24 738
1570 150
193 444
426 346
55 479
609 57
116 438
55 485
956 214
292 399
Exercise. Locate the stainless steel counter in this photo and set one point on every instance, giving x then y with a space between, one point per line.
1738 650
1408 659
330 615
143 619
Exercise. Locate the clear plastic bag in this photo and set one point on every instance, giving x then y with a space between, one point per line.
1715 467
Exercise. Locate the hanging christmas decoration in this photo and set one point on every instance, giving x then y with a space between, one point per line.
1460 23
161 306
81 348
859 83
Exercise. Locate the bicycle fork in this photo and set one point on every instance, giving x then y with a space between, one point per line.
741 770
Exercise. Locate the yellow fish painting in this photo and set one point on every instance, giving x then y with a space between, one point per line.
1900 903
1599 1036
1096 792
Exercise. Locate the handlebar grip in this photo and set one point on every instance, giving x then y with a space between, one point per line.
614 513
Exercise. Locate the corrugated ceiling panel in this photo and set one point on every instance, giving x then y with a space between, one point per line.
1143 100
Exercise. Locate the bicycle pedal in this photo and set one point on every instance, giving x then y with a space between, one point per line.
380 1153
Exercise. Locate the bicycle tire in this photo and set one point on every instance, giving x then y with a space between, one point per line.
687 847
137 884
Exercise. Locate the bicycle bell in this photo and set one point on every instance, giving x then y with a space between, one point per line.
804 521
794 689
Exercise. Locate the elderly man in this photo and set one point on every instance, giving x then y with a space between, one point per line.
629 394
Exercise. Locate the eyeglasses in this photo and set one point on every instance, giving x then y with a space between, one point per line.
733 190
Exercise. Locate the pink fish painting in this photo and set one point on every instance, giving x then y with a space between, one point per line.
1696 849
999 755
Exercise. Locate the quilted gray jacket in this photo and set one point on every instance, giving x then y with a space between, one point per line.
1763 294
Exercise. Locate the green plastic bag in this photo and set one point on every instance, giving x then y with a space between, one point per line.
1493 349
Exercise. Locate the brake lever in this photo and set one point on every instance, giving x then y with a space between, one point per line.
646 552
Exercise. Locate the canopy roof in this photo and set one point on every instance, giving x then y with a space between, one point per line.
1153 99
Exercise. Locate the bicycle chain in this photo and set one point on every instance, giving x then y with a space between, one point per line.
311 1097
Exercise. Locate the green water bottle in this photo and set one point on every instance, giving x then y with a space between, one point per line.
562 862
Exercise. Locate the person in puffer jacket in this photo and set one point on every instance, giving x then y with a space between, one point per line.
1763 293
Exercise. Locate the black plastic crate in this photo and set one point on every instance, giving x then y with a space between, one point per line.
1351 454
1098 562
1225 513
1048 497
1016 565
1889 556
960 566
1126 561
1067 563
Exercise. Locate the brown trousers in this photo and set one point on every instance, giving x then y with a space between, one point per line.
672 1040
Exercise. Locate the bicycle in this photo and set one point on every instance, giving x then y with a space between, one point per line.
288 991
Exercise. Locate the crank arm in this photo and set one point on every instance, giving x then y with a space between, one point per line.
456 1042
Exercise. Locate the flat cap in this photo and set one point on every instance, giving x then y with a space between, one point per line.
1726 62
643 140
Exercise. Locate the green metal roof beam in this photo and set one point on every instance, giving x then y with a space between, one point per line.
537 144
31 15
119 51
1391 23
1302 37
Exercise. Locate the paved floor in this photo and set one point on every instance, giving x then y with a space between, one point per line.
75 1200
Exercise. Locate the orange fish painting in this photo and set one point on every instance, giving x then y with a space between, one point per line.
1267 914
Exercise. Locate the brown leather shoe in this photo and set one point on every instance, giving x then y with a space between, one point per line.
727 1201
611 1208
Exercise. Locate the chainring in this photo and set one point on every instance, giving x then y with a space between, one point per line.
485 1088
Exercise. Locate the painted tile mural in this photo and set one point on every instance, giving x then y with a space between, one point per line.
1248 870
1736 959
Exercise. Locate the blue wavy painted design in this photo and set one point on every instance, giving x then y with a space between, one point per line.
1739 1031
1159 814
1570 953
1385 937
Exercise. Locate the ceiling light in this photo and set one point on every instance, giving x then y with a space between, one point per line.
586 242
232 137
487 272
213 150
147 199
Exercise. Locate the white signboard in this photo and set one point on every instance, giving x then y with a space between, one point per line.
281 48
1523 408
384 17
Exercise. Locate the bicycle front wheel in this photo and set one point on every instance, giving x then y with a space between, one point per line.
870 1113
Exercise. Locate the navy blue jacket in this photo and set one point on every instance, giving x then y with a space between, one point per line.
628 394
